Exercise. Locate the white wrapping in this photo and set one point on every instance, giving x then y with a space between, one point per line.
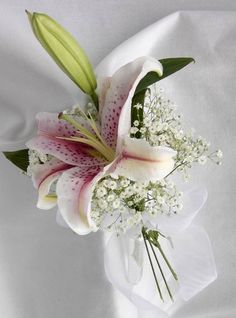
191 256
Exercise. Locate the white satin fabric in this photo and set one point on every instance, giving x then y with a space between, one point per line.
47 271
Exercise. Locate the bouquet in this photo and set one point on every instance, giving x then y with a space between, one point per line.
111 164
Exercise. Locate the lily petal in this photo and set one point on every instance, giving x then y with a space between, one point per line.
43 176
74 191
103 86
72 153
139 161
116 112
49 124
47 201
41 171
60 221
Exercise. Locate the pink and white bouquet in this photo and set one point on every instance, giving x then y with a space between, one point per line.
110 164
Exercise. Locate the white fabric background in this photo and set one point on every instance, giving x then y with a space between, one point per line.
47 271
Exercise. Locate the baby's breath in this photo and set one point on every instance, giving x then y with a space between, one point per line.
121 204
162 126
35 158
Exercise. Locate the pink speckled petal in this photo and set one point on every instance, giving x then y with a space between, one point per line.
41 171
141 162
72 153
115 114
49 124
103 86
74 192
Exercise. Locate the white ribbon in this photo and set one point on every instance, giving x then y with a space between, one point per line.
128 268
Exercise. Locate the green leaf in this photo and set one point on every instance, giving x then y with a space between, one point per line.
19 158
137 114
170 66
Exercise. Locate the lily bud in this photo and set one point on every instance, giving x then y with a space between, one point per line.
65 51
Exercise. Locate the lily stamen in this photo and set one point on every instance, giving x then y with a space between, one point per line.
96 141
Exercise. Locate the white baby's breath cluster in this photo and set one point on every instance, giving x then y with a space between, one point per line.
35 158
119 204
89 110
162 126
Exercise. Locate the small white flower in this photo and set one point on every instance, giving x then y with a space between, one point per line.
130 203
102 204
124 183
123 195
149 204
160 200
158 126
137 187
179 134
134 130
138 106
116 203
136 123
143 130
122 209
112 185
219 154
202 160
111 197
129 191
106 183
101 192
165 126
162 138
162 183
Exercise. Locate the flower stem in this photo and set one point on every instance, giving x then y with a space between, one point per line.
162 274
151 264
167 262
94 98
179 165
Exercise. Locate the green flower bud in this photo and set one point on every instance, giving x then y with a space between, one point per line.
65 51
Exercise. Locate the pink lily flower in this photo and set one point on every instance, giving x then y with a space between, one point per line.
82 153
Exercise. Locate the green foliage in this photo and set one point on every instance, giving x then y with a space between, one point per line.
19 158
170 66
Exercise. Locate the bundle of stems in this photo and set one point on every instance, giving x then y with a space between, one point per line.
151 242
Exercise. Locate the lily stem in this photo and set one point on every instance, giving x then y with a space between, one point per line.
151 264
94 98
159 266
166 260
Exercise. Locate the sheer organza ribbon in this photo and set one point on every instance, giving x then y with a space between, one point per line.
189 250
